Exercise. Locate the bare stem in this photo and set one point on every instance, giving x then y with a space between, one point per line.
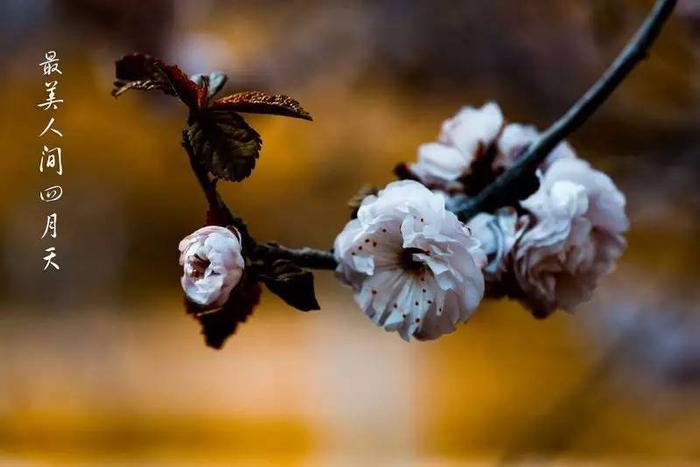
535 154
303 257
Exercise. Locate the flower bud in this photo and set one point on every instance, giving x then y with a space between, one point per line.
212 264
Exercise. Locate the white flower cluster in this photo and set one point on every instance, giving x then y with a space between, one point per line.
472 136
417 270
463 139
551 249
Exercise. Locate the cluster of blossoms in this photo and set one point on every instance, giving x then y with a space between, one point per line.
417 270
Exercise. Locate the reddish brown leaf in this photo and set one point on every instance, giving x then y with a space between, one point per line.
144 72
292 284
140 71
262 103
224 143
219 325
189 92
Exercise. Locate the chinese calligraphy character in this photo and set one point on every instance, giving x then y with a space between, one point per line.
49 258
51 64
52 159
50 102
50 194
51 226
50 127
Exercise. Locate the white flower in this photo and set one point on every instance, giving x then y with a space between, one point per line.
472 129
414 267
497 235
606 204
463 138
213 265
578 216
515 138
439 162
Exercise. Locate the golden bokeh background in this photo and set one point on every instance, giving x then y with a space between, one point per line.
99 364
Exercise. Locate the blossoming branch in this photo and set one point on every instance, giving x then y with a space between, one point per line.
488 210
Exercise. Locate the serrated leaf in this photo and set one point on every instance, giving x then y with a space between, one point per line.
140 71
262 103
147 73
292 284
224 143
219 325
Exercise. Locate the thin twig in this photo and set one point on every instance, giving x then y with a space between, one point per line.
535 154
303 257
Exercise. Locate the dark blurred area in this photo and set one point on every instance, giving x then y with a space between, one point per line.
98 361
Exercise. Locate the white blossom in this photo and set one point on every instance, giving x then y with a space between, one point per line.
462 139
575 235
213 265
497 235
414 267
471 129
439 162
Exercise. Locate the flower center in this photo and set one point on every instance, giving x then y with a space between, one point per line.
408 262
199 266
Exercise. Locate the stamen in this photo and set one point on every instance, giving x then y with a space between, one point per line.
408 262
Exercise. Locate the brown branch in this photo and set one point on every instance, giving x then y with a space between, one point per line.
303 257
508 185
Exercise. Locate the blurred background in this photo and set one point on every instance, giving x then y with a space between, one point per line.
100 365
